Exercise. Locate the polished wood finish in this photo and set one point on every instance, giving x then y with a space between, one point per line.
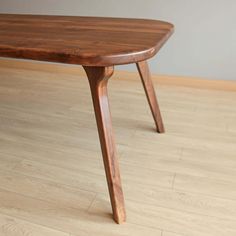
93 41
150 94
98 44
98 79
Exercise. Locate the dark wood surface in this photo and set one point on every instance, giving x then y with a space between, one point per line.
89 41
98 79
97 44
145 75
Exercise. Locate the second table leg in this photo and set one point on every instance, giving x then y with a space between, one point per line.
150 94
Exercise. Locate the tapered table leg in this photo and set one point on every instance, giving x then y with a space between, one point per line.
98 79
151 95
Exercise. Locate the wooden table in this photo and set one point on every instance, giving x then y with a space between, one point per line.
98 44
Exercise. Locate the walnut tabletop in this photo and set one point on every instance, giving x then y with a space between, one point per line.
87 41
98 44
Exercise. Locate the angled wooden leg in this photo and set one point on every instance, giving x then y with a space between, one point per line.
151 95
98 78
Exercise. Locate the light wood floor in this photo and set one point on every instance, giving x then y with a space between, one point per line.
52 182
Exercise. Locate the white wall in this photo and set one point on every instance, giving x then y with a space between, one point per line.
204 43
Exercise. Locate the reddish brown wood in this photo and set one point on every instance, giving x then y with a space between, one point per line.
98 78
97 44
151 95
93 41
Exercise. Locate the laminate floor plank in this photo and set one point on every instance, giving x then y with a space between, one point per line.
76 222
52 180
169 219
12 226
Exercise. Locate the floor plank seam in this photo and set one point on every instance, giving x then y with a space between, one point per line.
13 169
173 181
101 175
73 187
32 222
91 204
138 202
204 194
187 186
60 184
180 210
37 199
145 226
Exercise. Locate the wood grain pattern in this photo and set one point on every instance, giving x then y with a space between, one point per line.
150 94
98 79
12 226
181 182
93 41
97 44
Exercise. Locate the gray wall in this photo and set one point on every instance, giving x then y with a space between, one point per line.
204 44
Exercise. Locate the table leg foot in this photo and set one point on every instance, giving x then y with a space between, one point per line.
98 79
150 94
